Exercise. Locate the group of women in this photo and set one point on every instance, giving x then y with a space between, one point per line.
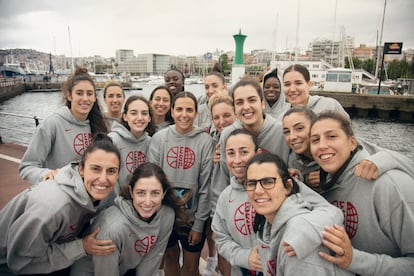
170 164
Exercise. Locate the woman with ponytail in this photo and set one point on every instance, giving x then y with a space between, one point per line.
64 135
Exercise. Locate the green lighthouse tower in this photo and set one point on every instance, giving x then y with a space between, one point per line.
239 39
238 70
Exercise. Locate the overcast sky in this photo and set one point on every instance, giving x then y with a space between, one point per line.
193 27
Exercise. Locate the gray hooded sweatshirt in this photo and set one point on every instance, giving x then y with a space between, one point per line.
187 162
234 217
139 244
379 219
57 141
294 218
280 106
41 225
133 151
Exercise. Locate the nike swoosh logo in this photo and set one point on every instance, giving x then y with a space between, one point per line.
67 129
231 200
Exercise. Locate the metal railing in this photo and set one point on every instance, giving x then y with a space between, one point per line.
4 126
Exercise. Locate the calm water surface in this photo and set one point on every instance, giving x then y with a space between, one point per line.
392 135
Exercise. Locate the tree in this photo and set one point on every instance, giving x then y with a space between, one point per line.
223 62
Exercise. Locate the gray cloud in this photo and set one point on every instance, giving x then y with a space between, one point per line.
194 27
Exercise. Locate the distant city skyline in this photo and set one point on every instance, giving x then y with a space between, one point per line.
185 27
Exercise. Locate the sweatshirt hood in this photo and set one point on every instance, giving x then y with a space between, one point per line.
236 184
123 132
293 206
281 103
349 170
313 101
65 114
197 130
72 184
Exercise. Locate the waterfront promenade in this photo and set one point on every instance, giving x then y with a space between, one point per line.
11 183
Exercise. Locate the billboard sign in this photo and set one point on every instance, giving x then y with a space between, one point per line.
393 48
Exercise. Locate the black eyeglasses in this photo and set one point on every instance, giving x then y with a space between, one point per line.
267 183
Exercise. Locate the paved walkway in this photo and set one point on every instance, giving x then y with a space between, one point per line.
11 183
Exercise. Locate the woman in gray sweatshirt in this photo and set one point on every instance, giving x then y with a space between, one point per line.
139 224
42 227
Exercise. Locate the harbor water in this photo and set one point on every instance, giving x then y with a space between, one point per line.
388 134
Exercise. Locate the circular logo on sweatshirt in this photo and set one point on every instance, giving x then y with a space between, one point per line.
351 220
81 142
351 216
133 159
143 246
180 157
244 218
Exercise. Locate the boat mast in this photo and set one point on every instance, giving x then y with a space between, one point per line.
70 45
297 34
380 42
273 61
333 35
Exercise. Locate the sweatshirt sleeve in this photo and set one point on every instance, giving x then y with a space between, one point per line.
394 205
364 263
216 187
226 246
154 150
32 247
386 160
220 177
323 214
107 265
32 164
204 181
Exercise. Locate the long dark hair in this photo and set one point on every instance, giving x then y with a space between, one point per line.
150 129
95 117
168 117
148 169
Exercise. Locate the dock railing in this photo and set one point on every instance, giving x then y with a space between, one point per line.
5 127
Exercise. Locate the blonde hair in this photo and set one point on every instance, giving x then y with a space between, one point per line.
220 97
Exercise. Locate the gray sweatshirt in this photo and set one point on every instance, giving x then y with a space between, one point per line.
40 226
379 219
133 151
294 217
139 244
270 139
187 162
233 226
57 141
234 217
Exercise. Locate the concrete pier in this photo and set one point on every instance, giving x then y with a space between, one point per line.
10 88
375 106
